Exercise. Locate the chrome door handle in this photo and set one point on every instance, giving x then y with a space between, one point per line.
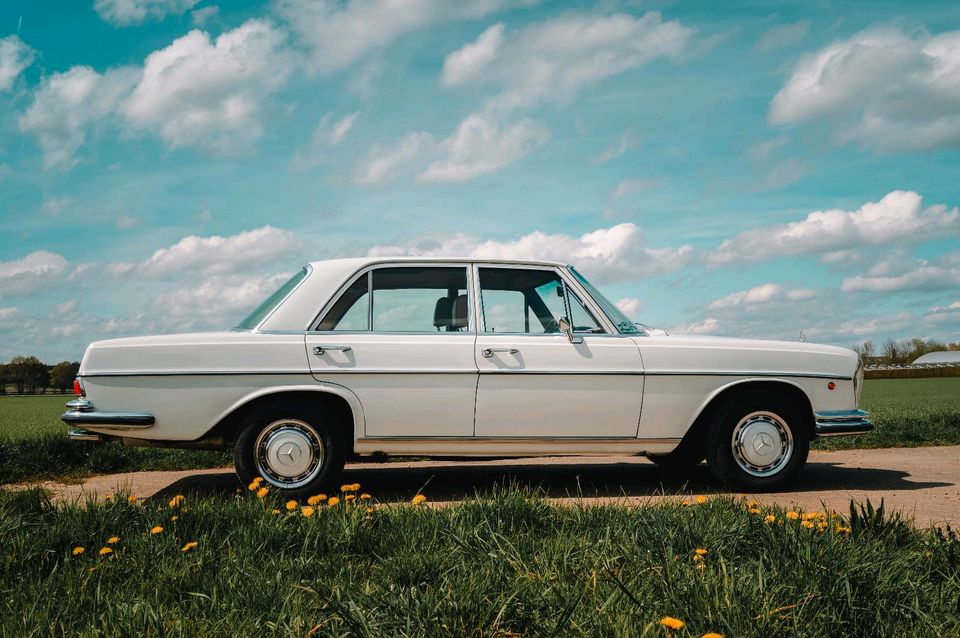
321 350
488 352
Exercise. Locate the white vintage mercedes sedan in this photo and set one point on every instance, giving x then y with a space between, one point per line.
461 357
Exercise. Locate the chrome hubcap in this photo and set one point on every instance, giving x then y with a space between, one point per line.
762 443
289 453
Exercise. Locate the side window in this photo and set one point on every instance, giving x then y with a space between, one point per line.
581 318
351 310
521 300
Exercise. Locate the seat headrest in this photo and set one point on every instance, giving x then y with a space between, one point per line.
460 316
443 313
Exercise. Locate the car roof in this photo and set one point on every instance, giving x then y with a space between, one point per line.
360 262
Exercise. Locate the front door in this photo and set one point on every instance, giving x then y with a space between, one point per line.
533 381
401 338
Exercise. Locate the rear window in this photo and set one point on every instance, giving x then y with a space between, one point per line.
257 316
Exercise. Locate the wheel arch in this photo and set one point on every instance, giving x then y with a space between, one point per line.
696 434
339 400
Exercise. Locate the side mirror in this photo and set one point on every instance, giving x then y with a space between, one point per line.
568 330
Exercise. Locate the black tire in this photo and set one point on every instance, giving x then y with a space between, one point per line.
766 412
292 418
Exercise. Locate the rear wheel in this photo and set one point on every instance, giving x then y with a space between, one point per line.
295 447
759 441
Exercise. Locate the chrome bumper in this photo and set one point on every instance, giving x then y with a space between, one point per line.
82 413
842 422
79 434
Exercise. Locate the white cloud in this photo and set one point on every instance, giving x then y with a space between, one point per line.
481 146
631 186
221 255
209 92
337 34
761 151
622 144
761 294
898 218
554 60
216 302
709 326
385 162
203 15
67 306
328 134
606 255
15 56
883 88
67 103
938 274
32 273
7 313
123 13
783 35
630 306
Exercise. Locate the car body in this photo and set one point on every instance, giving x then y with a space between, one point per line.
461 357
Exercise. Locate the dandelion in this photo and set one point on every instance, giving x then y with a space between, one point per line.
365 497
275 512
419 499
700 551
807 525
316 499
700 565
712 634
262 492
174 517
843 530
349 497
189 546
113 540
822 525
351 487
176 501
700 500
672 623
333 502
132 499
78 550
255 484
770 519
753 504
369 511
108 497
793 516
755 510
156 530
291 505
307 511
686 502
105 551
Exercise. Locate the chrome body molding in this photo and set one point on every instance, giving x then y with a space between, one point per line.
842 422
513 446
80 404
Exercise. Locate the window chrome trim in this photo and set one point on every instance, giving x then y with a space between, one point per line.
309 268
368 271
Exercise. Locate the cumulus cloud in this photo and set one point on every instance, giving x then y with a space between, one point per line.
123 13
216 302
897 218
882 88
209 92
385 162
709 326
937 274
762 294
337 34
15 56
217 255
32 273
66 104
605 255
630 306
468 62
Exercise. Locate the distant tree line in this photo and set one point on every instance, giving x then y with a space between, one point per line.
894 351
29 375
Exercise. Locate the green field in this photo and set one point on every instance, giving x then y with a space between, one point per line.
907 412
507 564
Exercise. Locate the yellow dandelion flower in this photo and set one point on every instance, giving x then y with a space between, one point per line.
316 499
275 512
253 486
700 551
351 487
189 546
156 530
307 511
132 499
334 501
712 634
770 518
697 558
105 551
291 505
672 623
822 525
369 511
700 500
755 510
176 501
108 497
686 502
257 480
262 492
753 504
365 497
843 530
349 497
78 550
807 524
419 499
793 516
700 565
113 540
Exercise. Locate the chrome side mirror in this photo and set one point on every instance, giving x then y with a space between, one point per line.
568 330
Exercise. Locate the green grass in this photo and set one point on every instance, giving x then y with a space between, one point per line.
907 412
505 564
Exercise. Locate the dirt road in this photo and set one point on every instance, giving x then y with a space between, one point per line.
920 482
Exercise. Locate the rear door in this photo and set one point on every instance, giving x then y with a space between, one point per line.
401 337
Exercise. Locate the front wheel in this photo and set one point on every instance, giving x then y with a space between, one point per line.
295 447
758 442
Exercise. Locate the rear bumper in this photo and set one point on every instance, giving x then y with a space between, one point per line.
842 422
82 413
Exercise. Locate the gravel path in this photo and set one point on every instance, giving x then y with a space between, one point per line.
923 483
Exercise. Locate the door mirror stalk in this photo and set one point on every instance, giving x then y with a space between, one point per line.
568 330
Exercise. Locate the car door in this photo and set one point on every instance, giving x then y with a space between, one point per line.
533 381
401 337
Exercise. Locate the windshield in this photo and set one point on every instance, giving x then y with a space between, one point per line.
257 316
620 320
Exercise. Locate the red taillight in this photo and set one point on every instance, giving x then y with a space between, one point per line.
77 388
831 386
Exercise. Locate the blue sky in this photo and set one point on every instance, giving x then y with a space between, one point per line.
719 168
